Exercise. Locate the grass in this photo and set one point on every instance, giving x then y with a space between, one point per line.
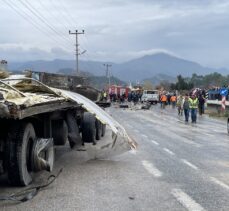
219 114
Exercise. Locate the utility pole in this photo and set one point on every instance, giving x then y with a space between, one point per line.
108 75
77 49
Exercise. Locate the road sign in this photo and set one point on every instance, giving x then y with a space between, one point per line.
223 102
224 92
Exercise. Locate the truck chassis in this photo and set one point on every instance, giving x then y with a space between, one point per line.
29 132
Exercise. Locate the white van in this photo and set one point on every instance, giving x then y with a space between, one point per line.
151 96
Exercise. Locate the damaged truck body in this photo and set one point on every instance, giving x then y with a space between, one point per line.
34 118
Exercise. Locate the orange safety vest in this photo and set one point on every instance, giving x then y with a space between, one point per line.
173 98
163 98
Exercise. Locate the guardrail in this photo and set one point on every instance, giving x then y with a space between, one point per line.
216 102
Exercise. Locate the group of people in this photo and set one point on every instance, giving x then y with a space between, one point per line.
185 104
112 97
191 104
167 99
134 97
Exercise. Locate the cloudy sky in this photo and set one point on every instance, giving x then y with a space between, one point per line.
115 30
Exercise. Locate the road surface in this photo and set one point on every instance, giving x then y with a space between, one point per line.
177 166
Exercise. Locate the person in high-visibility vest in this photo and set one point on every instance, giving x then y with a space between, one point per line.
104 96
173 99
163 100
193 105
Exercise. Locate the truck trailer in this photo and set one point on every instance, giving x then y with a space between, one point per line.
34 118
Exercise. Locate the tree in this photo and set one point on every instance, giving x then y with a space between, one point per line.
164 85
147 85
182 84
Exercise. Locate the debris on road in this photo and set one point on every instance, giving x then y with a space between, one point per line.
29 193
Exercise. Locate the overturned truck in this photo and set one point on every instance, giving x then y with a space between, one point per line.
34 118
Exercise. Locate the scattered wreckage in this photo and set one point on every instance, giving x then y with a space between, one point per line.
34 118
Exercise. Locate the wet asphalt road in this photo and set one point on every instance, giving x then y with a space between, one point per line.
177 166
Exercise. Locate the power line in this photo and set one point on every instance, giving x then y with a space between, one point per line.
41 18
60 20
29 19
66 13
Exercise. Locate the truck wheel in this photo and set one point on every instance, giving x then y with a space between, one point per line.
98 126
60 132
228 126
88 128
20 143
103 130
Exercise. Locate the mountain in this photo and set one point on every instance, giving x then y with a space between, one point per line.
155 80
100 82
160 63
135 70
94 67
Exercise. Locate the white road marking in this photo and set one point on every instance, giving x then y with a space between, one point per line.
137 131
191 142
189 164
186 200
218 182
144 136
130 126
154 142
151 168
168 151
208 134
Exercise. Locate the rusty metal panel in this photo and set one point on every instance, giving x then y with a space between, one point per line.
66 82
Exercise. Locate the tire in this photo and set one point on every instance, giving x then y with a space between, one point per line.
73 130
98 126
103 130
60 132
228 126
20 142
88 128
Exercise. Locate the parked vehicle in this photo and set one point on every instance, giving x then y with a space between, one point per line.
151 96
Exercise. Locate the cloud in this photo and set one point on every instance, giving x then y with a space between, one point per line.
117 30
18 53
127 55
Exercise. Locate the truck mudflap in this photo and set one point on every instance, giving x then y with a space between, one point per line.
119 141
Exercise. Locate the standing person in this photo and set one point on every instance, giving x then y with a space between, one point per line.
173 99
201 103
193 104
129 97
168 99
186 107
160 99
163 100
180 102
104 96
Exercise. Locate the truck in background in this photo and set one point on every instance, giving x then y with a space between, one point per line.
151 96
